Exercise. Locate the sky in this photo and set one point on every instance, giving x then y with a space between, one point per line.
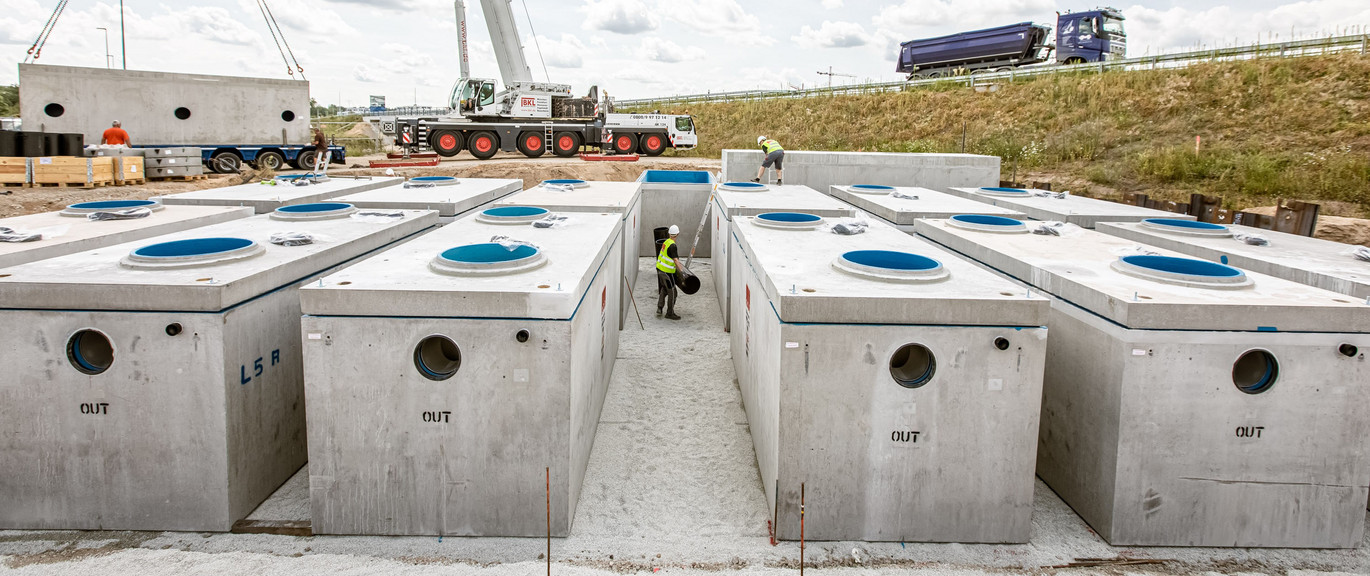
406 50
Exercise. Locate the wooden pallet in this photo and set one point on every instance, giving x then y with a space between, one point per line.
179 178
93 184
133 181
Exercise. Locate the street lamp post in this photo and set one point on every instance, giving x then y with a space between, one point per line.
123 46
109 59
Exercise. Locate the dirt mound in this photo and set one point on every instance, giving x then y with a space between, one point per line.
1334 228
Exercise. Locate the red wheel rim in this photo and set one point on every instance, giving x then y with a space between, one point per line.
484 144
565 142
653 142
533 142
624 142
447 141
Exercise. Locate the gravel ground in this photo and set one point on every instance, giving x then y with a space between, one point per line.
672 486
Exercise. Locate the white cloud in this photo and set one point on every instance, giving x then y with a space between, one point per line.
566 52
832 4
1178 29
363 73
619 16
832 35
964 14
659 50
724 18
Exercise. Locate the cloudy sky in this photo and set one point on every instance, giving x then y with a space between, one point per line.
406 50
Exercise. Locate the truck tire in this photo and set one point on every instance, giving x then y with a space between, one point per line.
270 160
306 159
447 143
652 144
225 162
625 143
483 145
565 144
531 144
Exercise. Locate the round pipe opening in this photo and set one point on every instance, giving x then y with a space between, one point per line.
743 187
192 252
1186 227
437 357
1182 271
913 365
313 211
871 188
1348 350
1255 371
90 351
572 182
1001 191
891 265
434 180
84 208
511 214
986 223
488 258
789 220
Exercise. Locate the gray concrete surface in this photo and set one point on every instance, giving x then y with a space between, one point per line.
267 197
819 169
1077 210
223 109
679 203
903 205
1144 429
450 201
63 234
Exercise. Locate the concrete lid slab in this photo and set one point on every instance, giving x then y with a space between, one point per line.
96 279
451 200
1077 210
799 277
265 198
788 198
1312 261
399 281
929 204
1079 269
64 235
596 196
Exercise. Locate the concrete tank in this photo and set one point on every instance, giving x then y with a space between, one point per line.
1189 403
1045 205
450 196
679 197
819 170
902 205
733 199
898 383
156 384
580 196
71 230
286 190
445 377
1322 263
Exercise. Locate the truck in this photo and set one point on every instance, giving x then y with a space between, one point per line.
529 116
1089 36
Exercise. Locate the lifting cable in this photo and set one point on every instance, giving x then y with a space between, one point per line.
36 50
535 41
278 36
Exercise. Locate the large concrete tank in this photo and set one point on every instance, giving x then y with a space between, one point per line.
268 195
679 197
1188 403
821 169
902 205
72 229
445 377
732 199
1062 207
893 383
156 385
450 196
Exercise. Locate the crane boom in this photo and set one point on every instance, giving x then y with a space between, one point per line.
461 39
504 34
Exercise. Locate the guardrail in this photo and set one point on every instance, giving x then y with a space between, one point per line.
1294 48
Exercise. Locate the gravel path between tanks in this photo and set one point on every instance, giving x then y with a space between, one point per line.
672 485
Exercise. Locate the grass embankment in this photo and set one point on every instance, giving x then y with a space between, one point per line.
1296 128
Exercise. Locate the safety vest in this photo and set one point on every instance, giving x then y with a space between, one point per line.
770 146
664 262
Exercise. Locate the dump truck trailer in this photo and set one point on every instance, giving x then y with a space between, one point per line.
1090 36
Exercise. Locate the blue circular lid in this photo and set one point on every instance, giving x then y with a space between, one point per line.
314 207
432 179
891 260
789 217
1177 223
571 181
986 220
1003 190
872 187
514 211
744 184
113 204
1183 266
488 253
192 247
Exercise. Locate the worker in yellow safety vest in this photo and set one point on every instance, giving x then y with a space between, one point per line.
667 263
775 154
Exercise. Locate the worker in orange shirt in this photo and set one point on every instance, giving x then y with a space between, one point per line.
115 136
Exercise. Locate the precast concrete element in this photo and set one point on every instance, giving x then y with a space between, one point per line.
447 375
899 384
163 108
1312 261
902 205
265 197
819 170
735 199
156 384
69 231
1046 205
580 196
1189 403
449 199
679 197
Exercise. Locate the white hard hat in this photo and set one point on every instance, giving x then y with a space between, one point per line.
760 139
674 230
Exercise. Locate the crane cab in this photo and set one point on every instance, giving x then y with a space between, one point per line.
474 97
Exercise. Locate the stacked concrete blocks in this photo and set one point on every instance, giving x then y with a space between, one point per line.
679 197
1061 207
173 163
900 206
265 197
894 384
1189 403
450 196
448 375
157 384
819 170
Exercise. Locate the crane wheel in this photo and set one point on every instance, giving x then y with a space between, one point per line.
625 143
652 144
531 144
565 144
447 143
483 145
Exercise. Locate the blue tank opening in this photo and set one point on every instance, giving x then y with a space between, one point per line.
676 177
744 185
1004 190
789 217
1255 371
314 207
112 204
192 247
432 179
1185 266
872 187
487 253
564 181
1190 224
514 212
985 220
891 260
